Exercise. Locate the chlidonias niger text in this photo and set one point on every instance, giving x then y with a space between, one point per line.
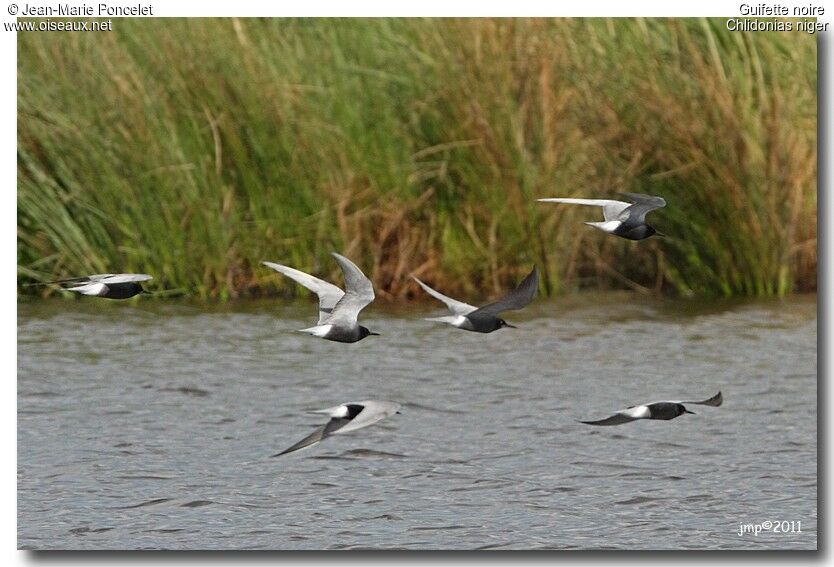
338 310
110 286
485 319
627 220
345 418
655 410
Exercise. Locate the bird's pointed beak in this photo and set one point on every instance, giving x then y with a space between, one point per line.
658 233
375 334
511 326
687 411
146 292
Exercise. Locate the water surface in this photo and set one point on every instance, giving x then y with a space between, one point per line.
150 424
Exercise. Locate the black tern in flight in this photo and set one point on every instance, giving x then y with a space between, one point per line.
485 319
338 310
111 286
627 220
655 410
345 418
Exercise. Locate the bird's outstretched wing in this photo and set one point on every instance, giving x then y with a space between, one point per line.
359 292
329 294
89 288
372 412
320 433
714 401
120 278
99 278
642 204
516 299
610 209
616 419
455 306
631 413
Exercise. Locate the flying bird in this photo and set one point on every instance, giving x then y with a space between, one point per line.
338 310
345 418
485 319
627 220
110 286
655 410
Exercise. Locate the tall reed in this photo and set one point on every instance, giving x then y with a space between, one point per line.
193 149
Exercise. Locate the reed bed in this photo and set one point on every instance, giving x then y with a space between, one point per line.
194 149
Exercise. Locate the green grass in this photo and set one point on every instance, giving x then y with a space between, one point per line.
193 149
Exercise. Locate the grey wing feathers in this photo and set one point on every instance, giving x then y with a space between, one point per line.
359 292
320 433
610 208
616 419
455 306
639 198
311 439
517 299
329 294
100 278
372 412
355 281
714 401
120 278
93 278
83 279
643 204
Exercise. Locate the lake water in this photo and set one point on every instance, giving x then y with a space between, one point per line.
150 425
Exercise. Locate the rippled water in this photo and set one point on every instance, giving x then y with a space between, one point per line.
150 425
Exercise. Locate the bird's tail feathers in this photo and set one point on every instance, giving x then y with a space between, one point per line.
317 331
448 319
594 224
53 282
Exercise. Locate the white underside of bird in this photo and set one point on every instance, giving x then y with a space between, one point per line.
606 226
637 412
317 331
89 289
454 320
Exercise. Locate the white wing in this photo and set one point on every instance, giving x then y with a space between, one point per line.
120 278
637 412
329 294
374 411
94 288
610 209
334 411
455 306
359 292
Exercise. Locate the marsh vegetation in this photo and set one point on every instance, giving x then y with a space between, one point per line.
194 149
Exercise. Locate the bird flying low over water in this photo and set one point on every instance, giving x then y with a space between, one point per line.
485 319
110 286
345 418
627 220
655 410
338 310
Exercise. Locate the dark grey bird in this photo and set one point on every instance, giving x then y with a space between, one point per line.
626 220
110 286
338 310
655 410
485 319
345 418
